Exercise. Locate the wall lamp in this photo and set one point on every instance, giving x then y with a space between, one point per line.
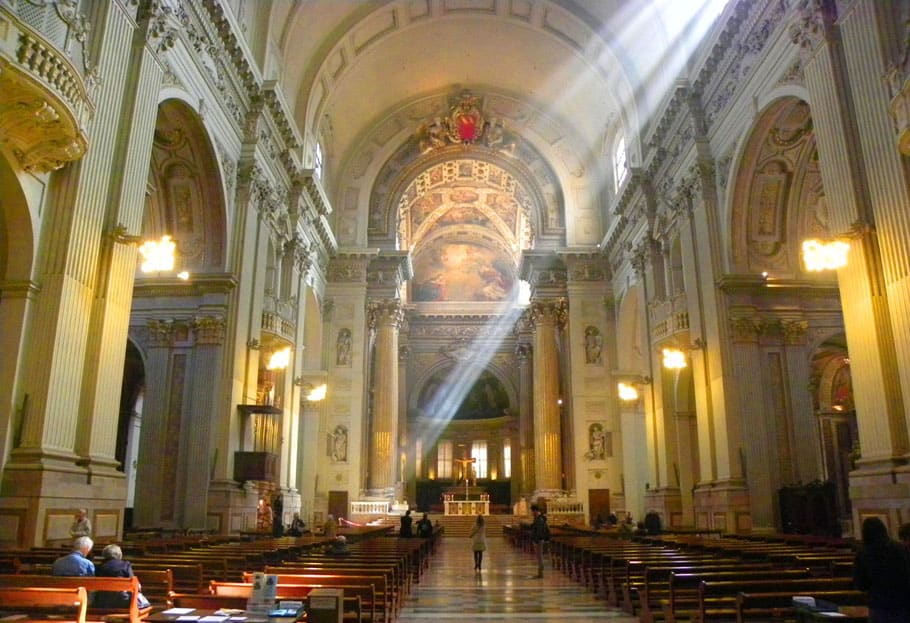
279 359
627 385
819 255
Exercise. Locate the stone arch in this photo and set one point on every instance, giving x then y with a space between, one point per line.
632 340
778 198
17 251
187 196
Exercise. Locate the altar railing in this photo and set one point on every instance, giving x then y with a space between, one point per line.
369 507
565 507
467 507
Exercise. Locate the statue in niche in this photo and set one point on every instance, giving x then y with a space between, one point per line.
594 343
597 442
340 444
343 348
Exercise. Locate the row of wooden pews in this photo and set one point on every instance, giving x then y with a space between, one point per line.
705 580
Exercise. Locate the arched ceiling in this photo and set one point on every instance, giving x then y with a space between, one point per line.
588 65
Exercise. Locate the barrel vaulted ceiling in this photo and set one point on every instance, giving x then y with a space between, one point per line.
563 75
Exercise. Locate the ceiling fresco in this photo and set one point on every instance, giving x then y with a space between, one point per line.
465 221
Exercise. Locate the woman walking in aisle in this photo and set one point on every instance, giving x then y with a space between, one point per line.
478 541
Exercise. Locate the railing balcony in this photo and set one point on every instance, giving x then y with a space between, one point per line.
44 101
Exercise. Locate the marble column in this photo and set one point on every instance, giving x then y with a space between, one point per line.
385 318
547 316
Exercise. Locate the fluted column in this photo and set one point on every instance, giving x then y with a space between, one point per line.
547 316
867 306
200 443
385 317
524 479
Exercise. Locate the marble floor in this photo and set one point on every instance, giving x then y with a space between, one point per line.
503 591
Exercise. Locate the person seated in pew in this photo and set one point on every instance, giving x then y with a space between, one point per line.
882 568
297 527
424 527
339 547
77 561
113 566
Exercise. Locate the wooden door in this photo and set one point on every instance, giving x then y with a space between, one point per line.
599 504
338 503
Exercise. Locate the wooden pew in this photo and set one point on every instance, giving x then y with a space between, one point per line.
353 607
59 604
91 584
372 589
717 599
156 584
185 578
779 605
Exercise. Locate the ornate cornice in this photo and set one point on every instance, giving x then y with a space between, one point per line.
350 267
585 266
813 24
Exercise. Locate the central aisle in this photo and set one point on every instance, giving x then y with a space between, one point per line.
503 591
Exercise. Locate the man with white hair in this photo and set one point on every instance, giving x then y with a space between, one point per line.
77 561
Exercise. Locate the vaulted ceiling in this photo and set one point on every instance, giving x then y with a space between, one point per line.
564 76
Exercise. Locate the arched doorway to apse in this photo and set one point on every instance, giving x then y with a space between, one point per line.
129 424
17 250
454 417
636 425
833 401
178 325
777 307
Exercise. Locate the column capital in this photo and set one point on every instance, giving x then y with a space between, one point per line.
523 353
209 330
545 271
552 311
385 311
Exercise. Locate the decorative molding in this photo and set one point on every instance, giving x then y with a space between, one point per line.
385 311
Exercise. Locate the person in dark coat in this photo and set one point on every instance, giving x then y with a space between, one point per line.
882 568
406 531
113 566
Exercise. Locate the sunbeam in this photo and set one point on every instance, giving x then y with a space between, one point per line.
471 363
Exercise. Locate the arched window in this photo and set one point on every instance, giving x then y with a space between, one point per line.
619 162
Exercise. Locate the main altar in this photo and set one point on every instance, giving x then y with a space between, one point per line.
466 501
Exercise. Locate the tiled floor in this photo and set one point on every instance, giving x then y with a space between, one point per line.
503 591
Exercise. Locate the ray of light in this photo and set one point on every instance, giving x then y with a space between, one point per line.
444 404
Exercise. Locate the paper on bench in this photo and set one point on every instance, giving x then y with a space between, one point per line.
178 611
189 617
213 618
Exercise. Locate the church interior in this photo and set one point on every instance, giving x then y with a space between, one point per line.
454 256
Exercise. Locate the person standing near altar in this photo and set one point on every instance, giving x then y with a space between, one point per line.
478 541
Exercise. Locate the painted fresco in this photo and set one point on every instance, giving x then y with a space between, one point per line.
461 271
487 398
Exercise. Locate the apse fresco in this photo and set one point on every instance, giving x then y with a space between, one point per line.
461 271
487 398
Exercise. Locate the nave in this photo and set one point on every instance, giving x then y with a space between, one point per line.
503 591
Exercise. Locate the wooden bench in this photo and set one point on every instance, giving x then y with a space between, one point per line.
779 605
91 584
59 604
185 578
371 589
353 605
717 599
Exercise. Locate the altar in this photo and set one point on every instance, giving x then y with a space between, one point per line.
478 506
